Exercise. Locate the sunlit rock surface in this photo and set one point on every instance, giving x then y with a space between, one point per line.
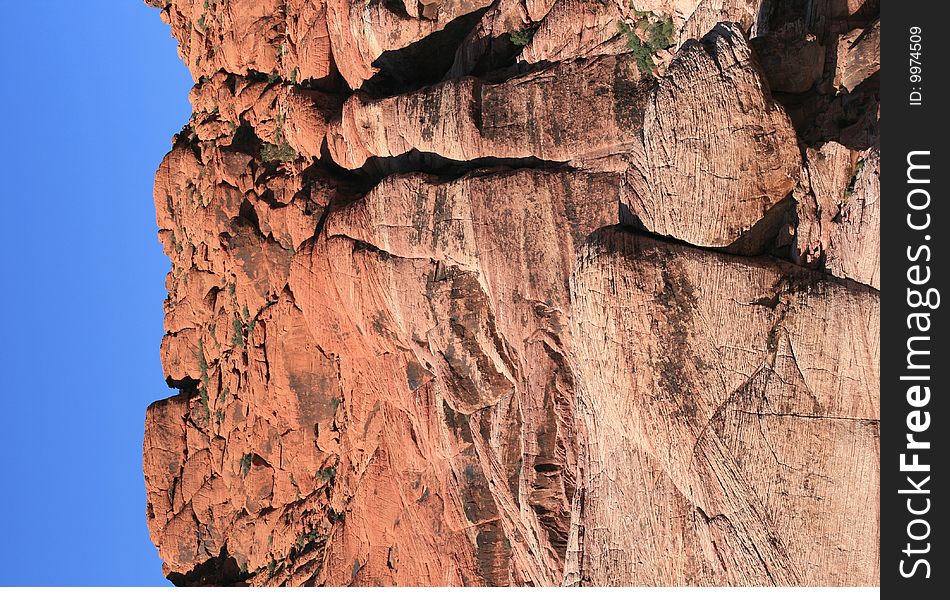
557 292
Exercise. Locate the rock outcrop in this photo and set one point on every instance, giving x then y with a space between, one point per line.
719 454
556 292
704 151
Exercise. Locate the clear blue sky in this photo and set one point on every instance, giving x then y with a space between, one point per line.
92 93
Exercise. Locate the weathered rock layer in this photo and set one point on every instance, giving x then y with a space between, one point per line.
556 292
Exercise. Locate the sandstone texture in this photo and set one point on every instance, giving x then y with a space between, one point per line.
554 292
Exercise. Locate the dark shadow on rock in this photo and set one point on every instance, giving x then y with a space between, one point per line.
431 58
378 168
222 570
766 236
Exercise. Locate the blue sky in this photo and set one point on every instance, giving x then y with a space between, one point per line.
92 93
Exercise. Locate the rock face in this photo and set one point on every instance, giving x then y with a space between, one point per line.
748 448
704 151
468 293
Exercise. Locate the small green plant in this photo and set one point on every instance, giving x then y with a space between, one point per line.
202 361
649 34
280 153
305 539
521 37
858 169
327 474
237 339
335 517
246 461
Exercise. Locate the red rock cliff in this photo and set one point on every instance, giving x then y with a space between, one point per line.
544 292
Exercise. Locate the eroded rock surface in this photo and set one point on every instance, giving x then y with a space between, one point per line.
557 292
704 151
716 454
